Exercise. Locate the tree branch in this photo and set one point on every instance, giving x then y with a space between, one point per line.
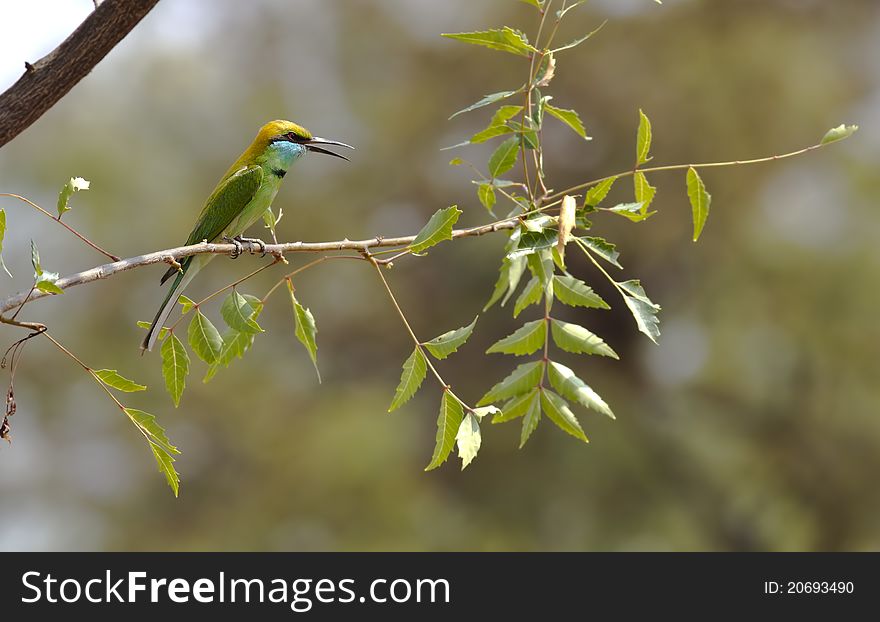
174 255
50 78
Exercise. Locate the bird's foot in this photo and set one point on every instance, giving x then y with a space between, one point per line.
253 241
236 241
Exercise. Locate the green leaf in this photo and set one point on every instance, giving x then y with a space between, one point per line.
700 201
486 101
468 439
306 330
3 235
175 367
501 285
602 248
112 379
644 191
439 228
235 344
559 412
204 338
73 185
456 162
159 444
570 118
504 157
505 40
528 136
514 276
43 280
520 380
529 296
150 428
533 241
578 340
238 312
162 331
449 342
627 209
575 293
538 4
525 340
166 466
839 133
581 221
643 140
541 266
509 276
448 423
493 131
48 286
631 211
499 183
566 382
35 261
414 370
643 310
517 407
486 194
186 303
538 113
505 114
580 40
531 418
498 125
597 193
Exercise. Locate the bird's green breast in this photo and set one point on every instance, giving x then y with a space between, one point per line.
275 162
253 211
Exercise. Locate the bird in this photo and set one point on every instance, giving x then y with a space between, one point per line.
241 198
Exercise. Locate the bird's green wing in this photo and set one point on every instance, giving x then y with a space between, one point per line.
226 202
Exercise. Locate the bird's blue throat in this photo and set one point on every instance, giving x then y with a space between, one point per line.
281 154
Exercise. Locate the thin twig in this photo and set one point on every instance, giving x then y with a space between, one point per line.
679 167
311 264
62 223
409 329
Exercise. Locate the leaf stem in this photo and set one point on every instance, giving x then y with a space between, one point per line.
409 329
678 167
527 106
589 255
223 289
103 386
88 369
62 223
303 268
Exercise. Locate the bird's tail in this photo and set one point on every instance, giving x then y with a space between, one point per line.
177 287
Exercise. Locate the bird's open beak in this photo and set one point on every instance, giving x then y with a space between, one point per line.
313 145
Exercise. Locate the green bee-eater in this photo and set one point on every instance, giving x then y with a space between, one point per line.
243 195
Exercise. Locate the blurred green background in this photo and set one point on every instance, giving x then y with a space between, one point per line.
752 426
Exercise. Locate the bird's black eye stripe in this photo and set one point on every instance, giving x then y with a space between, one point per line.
291 137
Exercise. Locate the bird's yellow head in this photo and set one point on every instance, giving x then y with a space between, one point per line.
283 130
286 133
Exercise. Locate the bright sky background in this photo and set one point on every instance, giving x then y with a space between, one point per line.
32 28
